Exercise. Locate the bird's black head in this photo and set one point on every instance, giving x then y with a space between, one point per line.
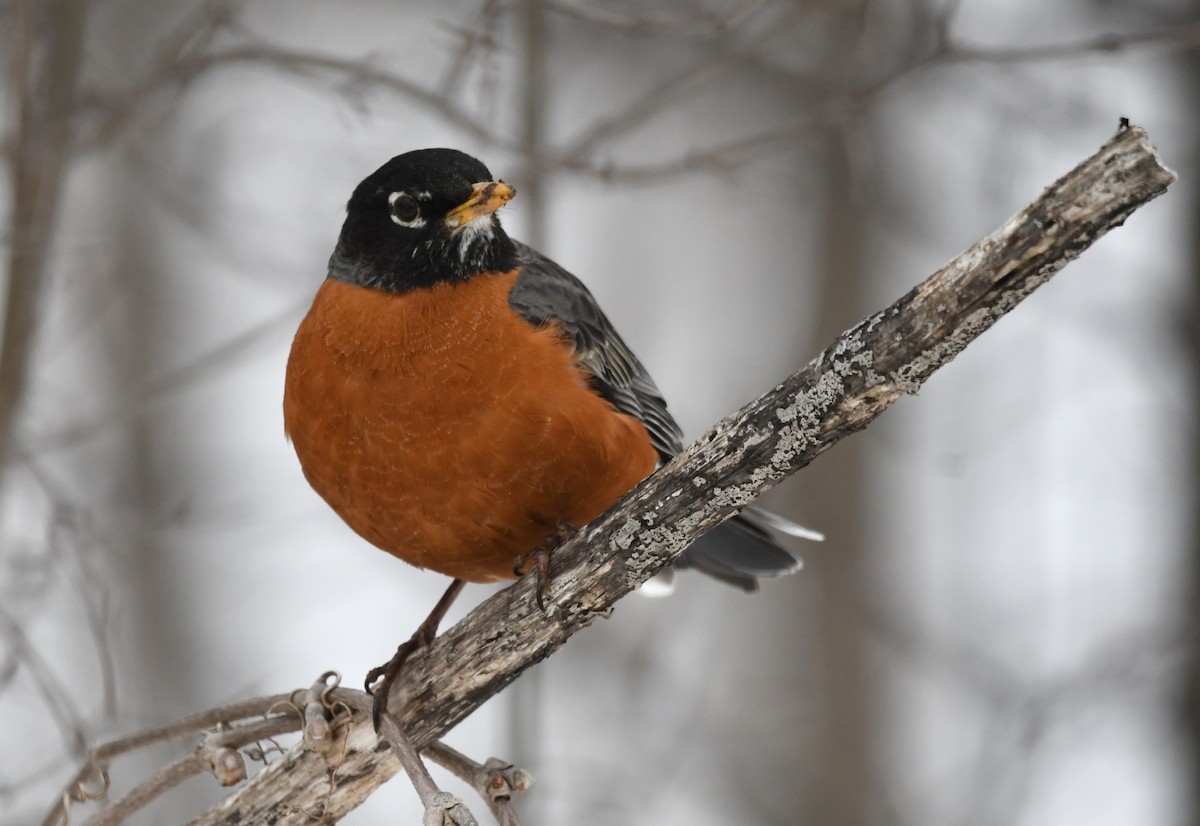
421 218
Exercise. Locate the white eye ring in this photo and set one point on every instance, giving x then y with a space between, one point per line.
412 223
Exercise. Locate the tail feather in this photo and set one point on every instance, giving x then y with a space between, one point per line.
782 524
742 550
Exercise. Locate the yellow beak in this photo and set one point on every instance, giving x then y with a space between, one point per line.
486 198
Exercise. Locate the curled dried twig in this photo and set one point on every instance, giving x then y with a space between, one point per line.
91 782
496 781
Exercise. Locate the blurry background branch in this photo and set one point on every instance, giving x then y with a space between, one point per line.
725 45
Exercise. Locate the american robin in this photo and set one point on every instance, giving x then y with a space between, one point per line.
457 397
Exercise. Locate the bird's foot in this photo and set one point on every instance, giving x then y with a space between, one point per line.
540 559
380 679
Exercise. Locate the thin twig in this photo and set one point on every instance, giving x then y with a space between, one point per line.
473 36
1181 36
440 807
171 68
95 766
495 780
695 25
834 109
87 584
188 766
204 366
55 696
673 90
351 74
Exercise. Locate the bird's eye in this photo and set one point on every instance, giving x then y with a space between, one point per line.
405 210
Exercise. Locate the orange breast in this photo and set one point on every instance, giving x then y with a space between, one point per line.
447 430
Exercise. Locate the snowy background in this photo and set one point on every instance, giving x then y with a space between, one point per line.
1001 625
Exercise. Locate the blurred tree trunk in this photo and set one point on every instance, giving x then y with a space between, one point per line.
838 754
1191 596
162 654
111 477
527 697
833 489
145 572
45 43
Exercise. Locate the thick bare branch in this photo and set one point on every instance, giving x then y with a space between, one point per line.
862 373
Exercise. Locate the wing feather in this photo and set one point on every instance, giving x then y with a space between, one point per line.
545 293
738 551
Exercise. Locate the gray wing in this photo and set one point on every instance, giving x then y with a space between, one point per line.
546 293
739 551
